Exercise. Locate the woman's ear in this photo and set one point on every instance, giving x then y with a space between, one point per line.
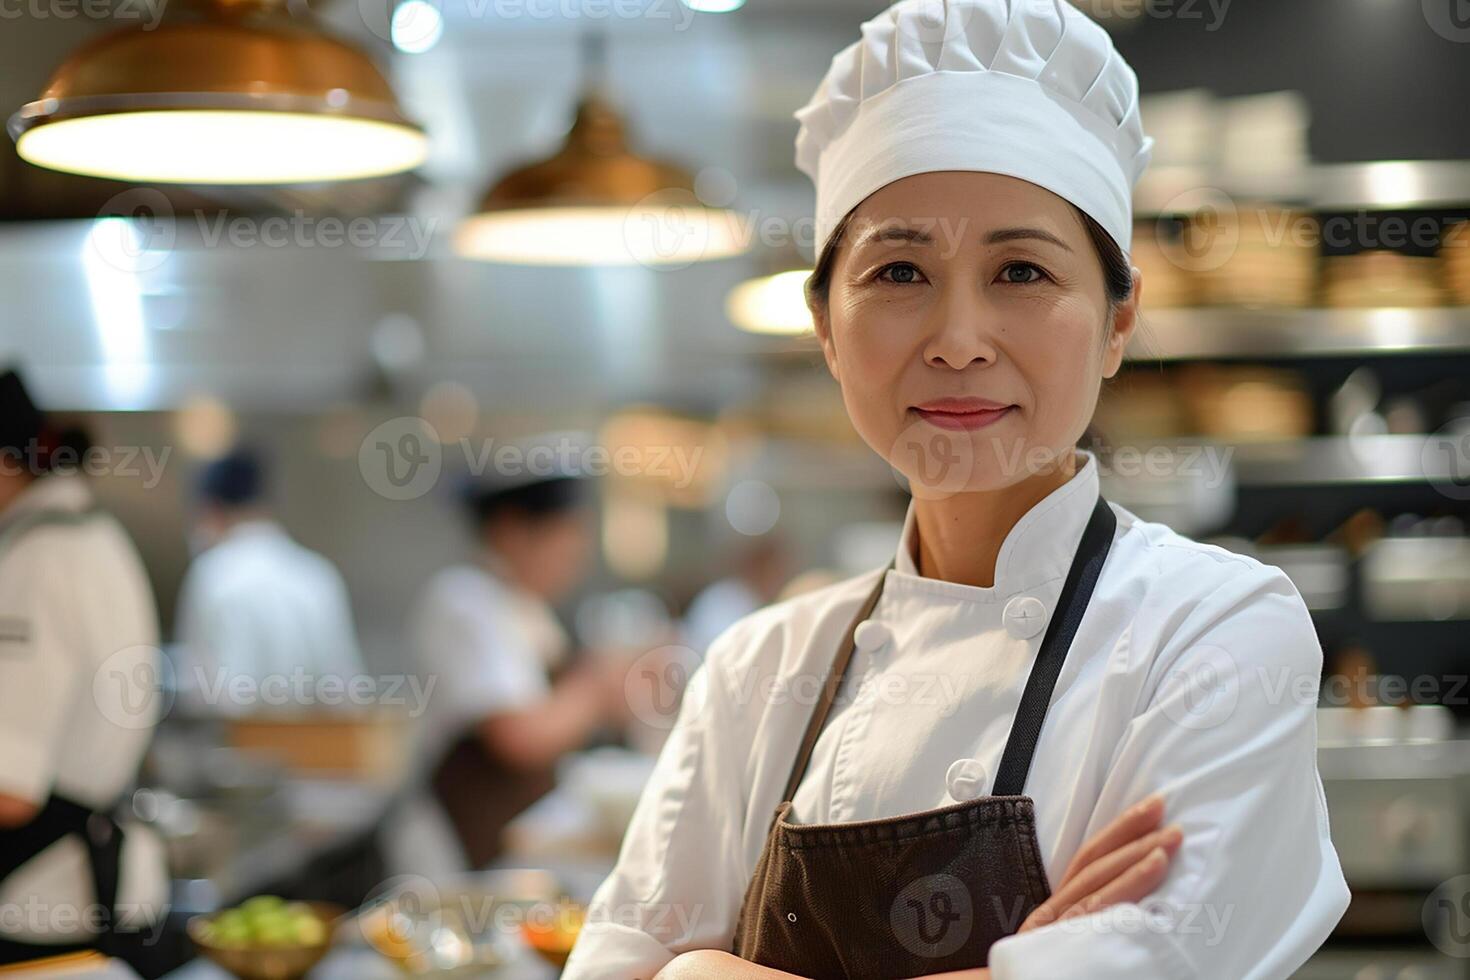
1125 321
822 327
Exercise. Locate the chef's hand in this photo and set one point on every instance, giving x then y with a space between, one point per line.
1124 862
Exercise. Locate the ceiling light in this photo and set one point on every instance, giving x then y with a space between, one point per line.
771 304
225 92
595 202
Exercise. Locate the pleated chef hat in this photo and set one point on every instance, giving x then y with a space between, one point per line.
1028 88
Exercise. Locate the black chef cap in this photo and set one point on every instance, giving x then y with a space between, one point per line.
21 422
234 480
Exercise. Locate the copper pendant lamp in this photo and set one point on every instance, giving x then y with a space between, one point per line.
221 92
597 202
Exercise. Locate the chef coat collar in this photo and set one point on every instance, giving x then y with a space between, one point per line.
1039 548
256 527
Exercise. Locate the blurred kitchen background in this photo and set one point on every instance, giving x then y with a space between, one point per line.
1300 390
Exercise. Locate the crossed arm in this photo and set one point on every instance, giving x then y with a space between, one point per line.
1124 862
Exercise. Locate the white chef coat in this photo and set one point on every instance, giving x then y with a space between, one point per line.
1193 674
76 616
258 605
486 645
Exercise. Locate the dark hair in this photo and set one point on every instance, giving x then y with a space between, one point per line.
234 480
530 501
1117 274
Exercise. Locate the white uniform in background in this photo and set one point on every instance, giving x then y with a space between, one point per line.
1193 674
487 646
259 605
76 621
716 607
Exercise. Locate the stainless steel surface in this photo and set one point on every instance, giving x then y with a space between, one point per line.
1391 184
1400 812
1343 459
1180 334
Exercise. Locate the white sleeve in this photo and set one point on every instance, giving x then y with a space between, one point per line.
39 671
1228 737
341 654
479 658
680 878
216 645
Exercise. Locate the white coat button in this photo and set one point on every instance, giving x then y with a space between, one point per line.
871 635
1025 616
965 780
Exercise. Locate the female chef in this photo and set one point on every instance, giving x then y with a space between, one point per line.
1050 739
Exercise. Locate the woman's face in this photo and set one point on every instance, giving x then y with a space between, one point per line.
967 325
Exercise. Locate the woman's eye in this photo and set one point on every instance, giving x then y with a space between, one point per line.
900 272
1009 274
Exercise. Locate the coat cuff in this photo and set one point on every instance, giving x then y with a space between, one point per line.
610 951
1122 942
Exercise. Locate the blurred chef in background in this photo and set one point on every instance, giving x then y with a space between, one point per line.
510 698
255 603
78 684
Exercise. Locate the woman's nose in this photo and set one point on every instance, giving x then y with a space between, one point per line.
961 332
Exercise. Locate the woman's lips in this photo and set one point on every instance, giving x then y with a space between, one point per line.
963 419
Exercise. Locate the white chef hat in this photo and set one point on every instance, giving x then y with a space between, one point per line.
1028 88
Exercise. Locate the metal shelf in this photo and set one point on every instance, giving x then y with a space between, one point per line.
1381 185
1182 334
1336 460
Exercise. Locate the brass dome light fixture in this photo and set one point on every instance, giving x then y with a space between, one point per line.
596 202
223 92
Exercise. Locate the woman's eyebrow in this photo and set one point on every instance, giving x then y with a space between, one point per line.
1011 234
890 233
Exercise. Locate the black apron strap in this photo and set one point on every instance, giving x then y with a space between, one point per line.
99 833
1092 551
829 689
59 818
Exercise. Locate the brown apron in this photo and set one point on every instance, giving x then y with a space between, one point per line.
919 893
481 794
